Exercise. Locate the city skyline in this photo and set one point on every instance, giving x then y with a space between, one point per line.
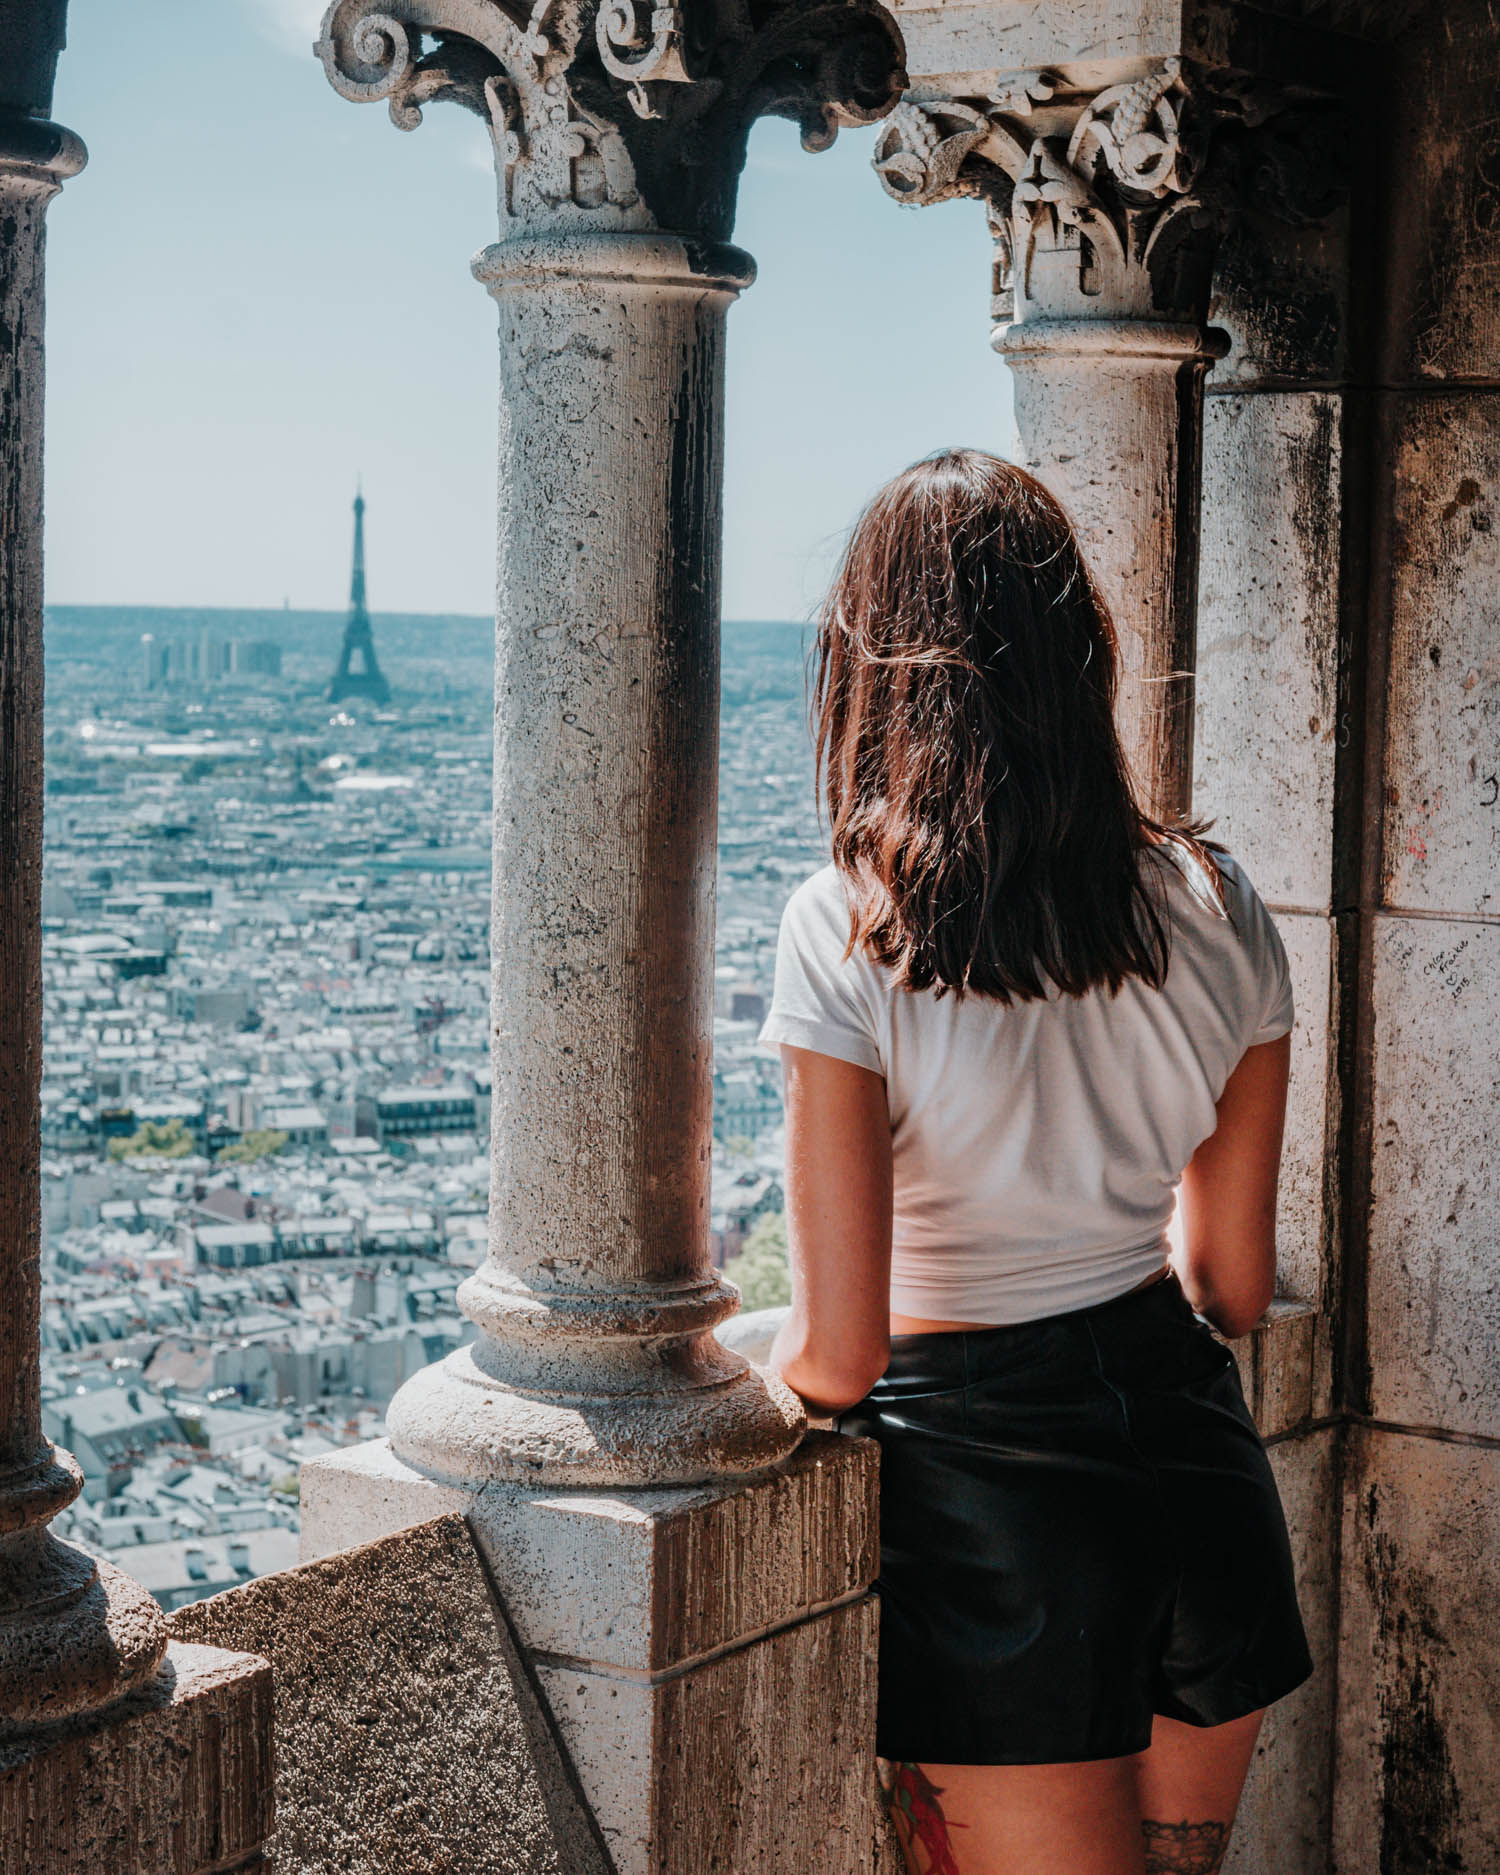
266 1045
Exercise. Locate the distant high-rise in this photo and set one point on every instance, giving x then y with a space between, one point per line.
153 661
252 657
368 680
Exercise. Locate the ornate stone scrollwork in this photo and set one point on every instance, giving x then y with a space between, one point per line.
1019 96
1137 130
640 51
1053 207
921 150
1111 201
1087 192
508 68
620 109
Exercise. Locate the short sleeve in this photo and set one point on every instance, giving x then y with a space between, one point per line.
1273 974
816 1003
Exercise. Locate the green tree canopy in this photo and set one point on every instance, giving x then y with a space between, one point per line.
760 1269
258 1143
159 1139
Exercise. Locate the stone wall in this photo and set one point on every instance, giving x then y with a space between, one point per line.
408 1733
1420 1695
1276 755
1348 743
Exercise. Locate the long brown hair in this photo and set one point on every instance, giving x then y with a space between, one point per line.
982 812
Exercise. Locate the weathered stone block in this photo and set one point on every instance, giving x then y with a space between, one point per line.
1443 235
1277 1365
175 1780
1268 712
1281 293
1418 1777
1303 1233
1284 1816
787 1783
1434 1258
721 1592
407 1733
1442 744
981 41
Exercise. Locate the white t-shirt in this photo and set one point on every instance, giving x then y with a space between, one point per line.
1037 1148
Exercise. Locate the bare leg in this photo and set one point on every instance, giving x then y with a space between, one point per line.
1023 1819
1190 1783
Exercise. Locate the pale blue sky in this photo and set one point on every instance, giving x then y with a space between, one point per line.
257 290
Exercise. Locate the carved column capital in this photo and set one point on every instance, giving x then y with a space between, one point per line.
1097 199
615 113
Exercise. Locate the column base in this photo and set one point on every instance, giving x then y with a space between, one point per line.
708 1654
458 1422
75 1634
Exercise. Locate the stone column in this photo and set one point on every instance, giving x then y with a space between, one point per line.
618 134
74 1634
706 1653
118 1751
596 1360
1110 415
1104 242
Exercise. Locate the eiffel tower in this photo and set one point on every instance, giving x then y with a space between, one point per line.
368 680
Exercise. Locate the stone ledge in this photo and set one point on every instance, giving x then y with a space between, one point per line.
1276 1361
175 1780
639 1581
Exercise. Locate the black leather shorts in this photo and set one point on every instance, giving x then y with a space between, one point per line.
1078 1529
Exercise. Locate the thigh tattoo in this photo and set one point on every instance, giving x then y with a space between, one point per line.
1184 1848
917 1818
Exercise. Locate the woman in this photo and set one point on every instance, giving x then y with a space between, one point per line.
1018 1017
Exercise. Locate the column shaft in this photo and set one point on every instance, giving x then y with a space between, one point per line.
619 133
1110 416
1104 250
596 1359
606 755
73 1634
23 203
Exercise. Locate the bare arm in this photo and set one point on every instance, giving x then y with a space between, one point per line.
835 1344
1227 1260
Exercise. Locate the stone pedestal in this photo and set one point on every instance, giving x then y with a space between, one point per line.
409 1737
707 1654
173 1780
